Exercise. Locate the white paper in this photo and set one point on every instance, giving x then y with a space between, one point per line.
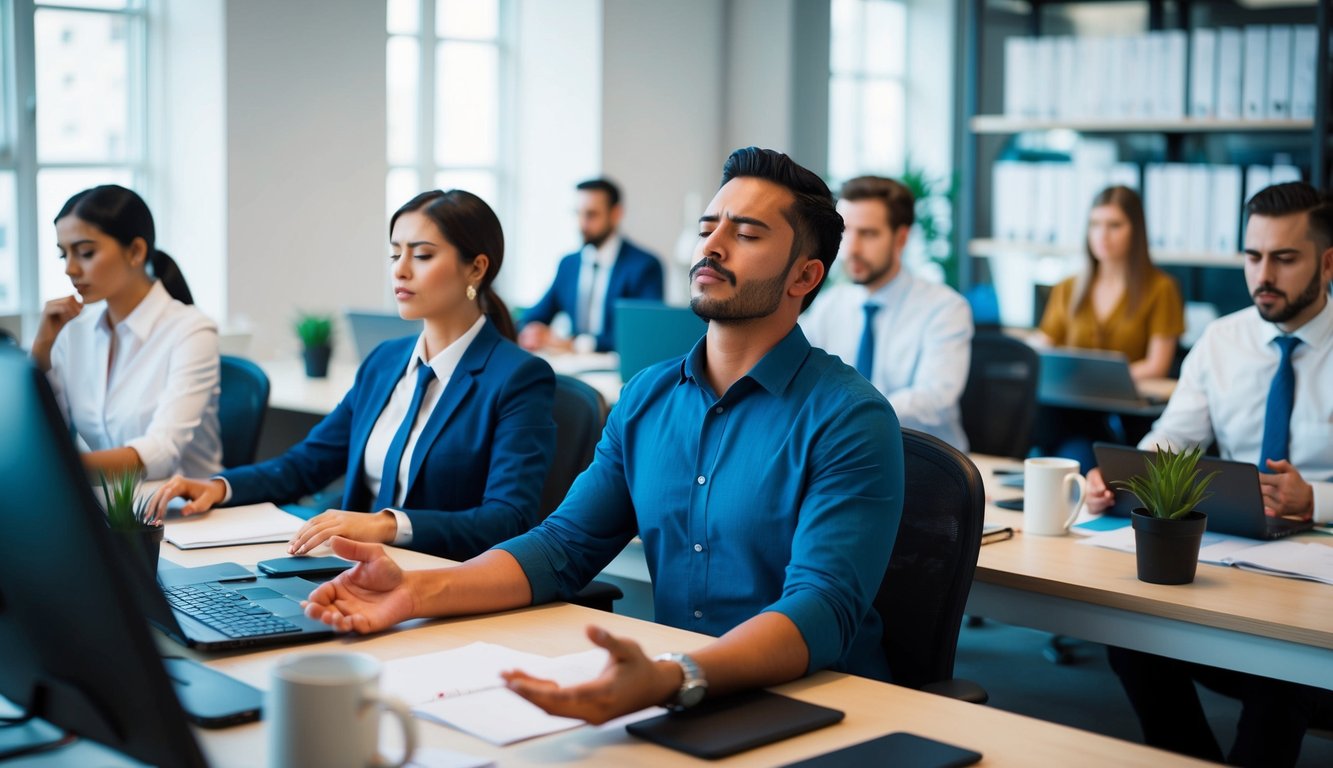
462 688
1289 559
228 526
435 757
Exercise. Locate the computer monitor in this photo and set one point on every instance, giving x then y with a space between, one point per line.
649 332
371 329
75 649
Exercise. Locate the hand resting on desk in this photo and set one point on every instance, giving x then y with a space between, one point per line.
203 496
374 595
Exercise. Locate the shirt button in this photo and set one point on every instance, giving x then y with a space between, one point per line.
698 614
718 409
700 480
698 547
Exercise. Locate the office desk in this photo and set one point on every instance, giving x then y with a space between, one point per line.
1251 622
872 708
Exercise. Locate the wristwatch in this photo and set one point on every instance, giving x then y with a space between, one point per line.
694 687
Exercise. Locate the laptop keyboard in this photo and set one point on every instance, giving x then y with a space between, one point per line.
226 611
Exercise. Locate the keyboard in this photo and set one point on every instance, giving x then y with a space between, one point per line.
226 611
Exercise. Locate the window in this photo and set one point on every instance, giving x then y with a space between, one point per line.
84 67
446 86
867 93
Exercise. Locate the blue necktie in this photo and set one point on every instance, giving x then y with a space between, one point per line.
389 479
1281 396
865 354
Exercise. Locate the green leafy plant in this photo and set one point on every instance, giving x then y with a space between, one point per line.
1171 488
124 512
315 330
935 201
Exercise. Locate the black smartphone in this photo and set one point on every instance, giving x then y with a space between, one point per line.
209 697
305 566
1014 504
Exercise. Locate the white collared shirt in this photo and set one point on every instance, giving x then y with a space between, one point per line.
605 259
1223 394
923 347
381 435
160 394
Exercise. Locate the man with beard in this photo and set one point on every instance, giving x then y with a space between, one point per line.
1260 383
911 338
764 476
589 282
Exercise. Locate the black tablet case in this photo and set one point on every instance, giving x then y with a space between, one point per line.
900 750
724 726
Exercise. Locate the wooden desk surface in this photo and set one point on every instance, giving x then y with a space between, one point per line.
872 708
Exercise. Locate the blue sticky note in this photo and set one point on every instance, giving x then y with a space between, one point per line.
1104 523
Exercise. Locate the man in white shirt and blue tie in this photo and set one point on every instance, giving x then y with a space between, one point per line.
911 338
1259 382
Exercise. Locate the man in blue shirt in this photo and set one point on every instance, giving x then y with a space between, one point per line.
764 476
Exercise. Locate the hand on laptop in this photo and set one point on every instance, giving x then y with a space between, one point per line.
379 528
630 682
372 596
1099 498
1286 494
203 496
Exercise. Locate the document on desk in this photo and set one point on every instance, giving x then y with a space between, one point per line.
230 526
462 688
1289 559
1215 549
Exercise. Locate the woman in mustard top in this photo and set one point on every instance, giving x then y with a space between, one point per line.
1120 303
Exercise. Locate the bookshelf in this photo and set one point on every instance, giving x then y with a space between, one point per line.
998 125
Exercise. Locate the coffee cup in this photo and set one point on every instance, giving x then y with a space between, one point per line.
324 710
1049 503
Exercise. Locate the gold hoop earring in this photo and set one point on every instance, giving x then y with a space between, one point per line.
471 293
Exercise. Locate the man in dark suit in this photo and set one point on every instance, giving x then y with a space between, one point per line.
590 281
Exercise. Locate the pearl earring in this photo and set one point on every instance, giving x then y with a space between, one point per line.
471 293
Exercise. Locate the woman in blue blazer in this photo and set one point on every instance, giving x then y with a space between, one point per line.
445 439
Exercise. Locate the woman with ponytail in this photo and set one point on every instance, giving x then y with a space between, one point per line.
445 438
137 378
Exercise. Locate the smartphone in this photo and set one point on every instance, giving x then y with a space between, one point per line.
209 697
305 566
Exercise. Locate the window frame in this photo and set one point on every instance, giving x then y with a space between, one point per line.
858 78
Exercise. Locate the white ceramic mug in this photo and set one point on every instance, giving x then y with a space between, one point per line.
323 710
1049 506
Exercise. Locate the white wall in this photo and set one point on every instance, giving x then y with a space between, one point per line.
758 86
305 163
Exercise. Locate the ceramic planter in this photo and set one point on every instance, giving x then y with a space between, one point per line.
317 361
1167 550
142 544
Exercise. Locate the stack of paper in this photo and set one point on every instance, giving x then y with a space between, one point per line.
230 526
462 688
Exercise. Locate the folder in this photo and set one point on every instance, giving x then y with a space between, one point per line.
1257 177
1041 60
1203 72
1279 72
1171 83
1304 49
1154 194
1092 64
1069 212
1198 209
1174 206
1254 78
1283 173
1066 77
1017 80
1044 204
1226 203
1230 63
1124 174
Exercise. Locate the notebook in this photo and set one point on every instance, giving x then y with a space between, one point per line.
730 724
1236 505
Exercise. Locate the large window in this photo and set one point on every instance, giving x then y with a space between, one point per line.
867 94
72 111
447 86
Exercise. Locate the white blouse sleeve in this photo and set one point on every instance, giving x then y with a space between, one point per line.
193 375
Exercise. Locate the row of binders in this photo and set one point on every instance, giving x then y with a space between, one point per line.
1260 72
1190 208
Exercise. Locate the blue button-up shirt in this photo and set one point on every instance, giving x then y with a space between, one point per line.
782 495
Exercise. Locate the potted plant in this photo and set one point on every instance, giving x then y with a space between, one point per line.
1169 527
316 333
127 515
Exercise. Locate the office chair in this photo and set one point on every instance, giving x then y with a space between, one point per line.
925 586
999 402
241 409
580 413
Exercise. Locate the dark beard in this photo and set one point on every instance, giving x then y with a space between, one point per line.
1294 306
754 300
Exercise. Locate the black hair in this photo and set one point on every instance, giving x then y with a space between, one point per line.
470 225
812 216
124 216
602 185
1297 197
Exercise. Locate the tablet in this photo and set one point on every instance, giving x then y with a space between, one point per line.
900 750
730 724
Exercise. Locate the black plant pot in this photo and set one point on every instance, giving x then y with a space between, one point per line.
1167 550
317 361
142 545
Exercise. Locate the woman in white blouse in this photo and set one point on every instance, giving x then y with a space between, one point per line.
137 377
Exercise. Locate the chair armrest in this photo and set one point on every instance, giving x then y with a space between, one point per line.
599 595
958 688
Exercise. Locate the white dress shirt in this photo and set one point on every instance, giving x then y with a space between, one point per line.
923 347
160 395
605 259
381 435
1223 394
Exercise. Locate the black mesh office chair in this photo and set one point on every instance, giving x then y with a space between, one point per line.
925 587
241 409
1000 400
580 413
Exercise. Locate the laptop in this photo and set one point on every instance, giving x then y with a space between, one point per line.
1083 377
649 332
370 329
1236 505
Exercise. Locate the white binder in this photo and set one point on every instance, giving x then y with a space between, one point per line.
1256 178
1203 73
1226 204
1230 64
1304 47
1254 81
1279 72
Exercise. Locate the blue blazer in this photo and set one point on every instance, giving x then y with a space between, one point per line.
637 274
477 471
